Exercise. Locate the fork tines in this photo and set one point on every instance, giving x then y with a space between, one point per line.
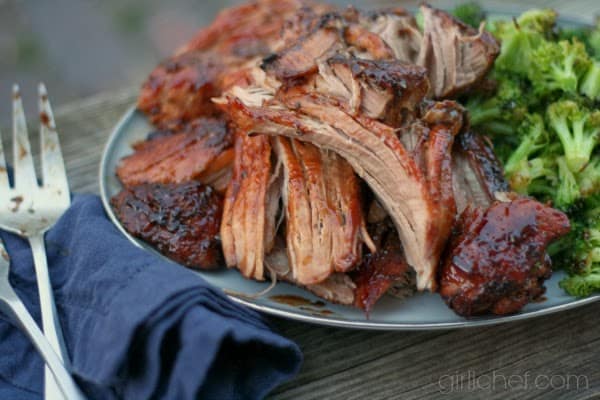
52 165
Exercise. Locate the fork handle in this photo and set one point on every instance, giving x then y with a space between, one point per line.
13 307
50 322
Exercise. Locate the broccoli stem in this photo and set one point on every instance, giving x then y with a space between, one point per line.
577 144
590 84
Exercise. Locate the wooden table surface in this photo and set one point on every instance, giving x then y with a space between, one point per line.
552 357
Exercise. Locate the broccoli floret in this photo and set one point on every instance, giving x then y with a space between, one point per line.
581 255
592 42
589 178
577 128
520 37
590 83
504 111
515 51
585 284
567 191
543 177
589 36
469 13
557 66
538 20
521 168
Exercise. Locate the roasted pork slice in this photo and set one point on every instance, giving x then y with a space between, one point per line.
324 36
398 29
251 204
438 127
373 149
381 270
337 288
496 260
200 152
325 226
218 173
179 89
180 220
382 90
456 55
476 171
251 29
299 58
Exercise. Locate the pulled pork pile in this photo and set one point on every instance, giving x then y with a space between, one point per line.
342 162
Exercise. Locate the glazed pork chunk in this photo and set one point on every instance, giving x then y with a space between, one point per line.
496 260
181 220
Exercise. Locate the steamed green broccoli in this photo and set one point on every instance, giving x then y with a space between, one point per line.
520 37
577 128
469 13
557 66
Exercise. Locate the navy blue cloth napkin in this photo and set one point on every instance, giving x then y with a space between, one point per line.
136 326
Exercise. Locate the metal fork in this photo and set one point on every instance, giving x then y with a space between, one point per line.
11 306
29 210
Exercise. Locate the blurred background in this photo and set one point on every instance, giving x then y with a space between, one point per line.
82 47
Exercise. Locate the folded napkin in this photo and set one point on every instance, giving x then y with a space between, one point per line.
136 326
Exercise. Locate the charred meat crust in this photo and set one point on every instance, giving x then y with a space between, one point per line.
180 220
496 260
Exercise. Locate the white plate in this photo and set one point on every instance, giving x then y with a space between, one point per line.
423 311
